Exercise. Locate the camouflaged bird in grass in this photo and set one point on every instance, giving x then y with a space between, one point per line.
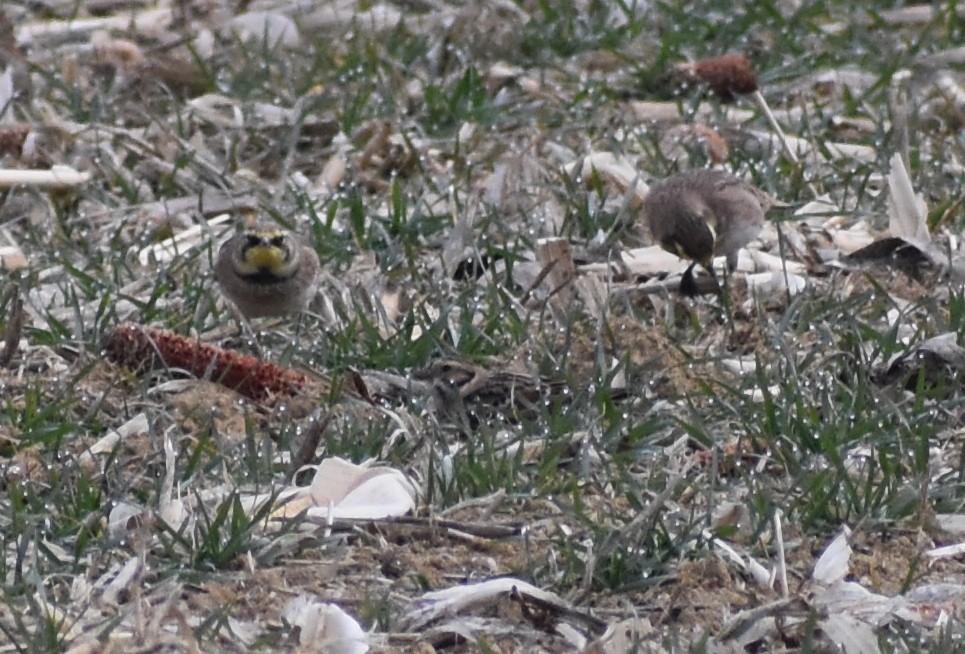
267 272
700 214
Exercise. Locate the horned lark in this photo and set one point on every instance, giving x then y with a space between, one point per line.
266 273
701 213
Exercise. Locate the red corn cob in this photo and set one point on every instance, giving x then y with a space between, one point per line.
149 348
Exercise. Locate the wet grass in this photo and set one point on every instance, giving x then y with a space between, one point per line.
824 443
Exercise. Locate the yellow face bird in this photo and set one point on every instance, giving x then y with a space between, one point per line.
266 253
267 272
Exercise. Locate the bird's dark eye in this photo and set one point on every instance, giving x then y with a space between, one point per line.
279 242
252 240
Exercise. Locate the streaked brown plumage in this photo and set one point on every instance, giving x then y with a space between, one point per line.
267 272
700 214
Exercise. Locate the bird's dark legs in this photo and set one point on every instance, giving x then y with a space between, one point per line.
688 283
713 275
245 330
724 293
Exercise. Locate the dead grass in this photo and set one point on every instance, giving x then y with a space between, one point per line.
620 435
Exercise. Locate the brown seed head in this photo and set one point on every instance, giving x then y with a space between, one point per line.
727 76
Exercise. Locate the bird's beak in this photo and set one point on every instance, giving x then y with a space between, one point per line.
708 264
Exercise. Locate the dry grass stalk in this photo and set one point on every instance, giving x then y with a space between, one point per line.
557 260
55 177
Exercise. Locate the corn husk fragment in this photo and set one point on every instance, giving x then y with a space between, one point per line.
341 490
325 628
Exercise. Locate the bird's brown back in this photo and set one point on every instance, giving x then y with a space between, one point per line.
699 213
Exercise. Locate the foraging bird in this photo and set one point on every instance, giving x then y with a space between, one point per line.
698 214
266 272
